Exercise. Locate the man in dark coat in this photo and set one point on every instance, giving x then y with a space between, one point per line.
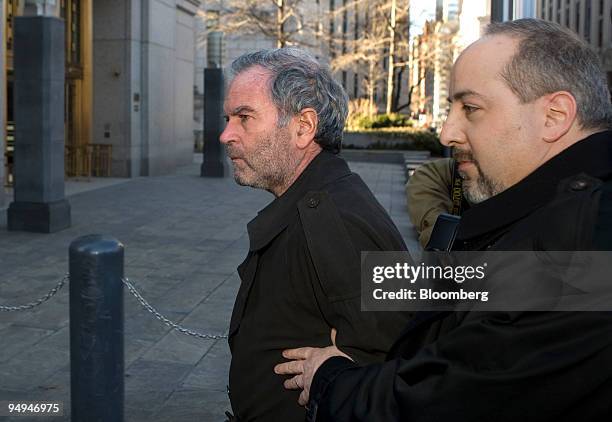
529 122
285 115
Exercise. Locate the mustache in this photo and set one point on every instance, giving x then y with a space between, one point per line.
463 155
231 152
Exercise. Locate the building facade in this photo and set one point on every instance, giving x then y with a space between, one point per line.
335 31
128 88
591 19
457 23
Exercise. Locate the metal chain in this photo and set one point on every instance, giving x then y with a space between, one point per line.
165 320
132 290
37 302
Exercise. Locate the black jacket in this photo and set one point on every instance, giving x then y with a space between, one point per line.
301 277
503 366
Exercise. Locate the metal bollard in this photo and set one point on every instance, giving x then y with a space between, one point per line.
96 329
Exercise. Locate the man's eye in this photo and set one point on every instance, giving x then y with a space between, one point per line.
469 109
226 118
243 117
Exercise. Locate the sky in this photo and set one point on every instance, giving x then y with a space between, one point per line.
420 11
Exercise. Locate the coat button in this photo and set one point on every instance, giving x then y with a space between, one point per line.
313 202
577 185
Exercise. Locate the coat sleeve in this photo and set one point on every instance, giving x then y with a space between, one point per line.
428 194
501 367
334 242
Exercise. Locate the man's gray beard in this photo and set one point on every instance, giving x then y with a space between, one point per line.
271 165
481 189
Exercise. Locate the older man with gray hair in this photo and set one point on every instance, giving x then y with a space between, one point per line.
301 278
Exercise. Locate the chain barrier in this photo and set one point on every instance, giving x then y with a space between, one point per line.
165 320
37 302
146 305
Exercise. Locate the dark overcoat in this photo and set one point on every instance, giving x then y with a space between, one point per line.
500 366
301 278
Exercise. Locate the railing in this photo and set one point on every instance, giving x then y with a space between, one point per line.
88 160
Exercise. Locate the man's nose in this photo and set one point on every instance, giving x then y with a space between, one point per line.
227 135
451 134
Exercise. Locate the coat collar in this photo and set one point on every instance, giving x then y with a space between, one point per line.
592 156
274 218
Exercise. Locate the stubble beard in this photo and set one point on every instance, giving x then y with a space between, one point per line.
269 166
481 188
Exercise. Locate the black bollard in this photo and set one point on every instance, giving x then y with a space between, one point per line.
96 329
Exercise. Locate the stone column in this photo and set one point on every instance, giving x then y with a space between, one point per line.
214 164
39 204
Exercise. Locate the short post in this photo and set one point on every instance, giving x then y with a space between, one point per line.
96 329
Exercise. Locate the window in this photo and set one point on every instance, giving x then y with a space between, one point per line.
70 11
600 26
332 28
344 27
600 32
550 6
587 22
577 22
11 9
75 32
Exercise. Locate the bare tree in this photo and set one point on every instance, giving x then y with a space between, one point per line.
282 20
382 39
391 56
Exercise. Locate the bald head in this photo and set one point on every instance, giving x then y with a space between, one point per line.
549 58
483 60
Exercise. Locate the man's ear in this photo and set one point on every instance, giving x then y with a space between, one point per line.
307 123
560 109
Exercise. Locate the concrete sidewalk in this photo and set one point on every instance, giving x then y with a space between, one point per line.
184 236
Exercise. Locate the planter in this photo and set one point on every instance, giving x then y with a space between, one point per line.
392 140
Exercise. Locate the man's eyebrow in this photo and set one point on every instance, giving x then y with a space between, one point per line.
241 109
458 96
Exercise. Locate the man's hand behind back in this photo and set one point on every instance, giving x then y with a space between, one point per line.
303 364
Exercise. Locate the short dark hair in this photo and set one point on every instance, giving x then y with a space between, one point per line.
551 58
299 81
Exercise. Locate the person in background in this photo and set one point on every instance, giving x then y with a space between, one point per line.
429 194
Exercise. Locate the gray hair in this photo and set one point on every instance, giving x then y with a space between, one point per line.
299 81
551 58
